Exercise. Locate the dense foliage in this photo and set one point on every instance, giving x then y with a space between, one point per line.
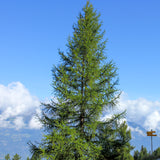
114 138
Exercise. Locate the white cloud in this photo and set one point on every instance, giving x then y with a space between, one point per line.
17 105
141 111
106 117
153 121
19 123
34 123
137 130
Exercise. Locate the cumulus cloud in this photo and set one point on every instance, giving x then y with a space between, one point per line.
153 120
141 111
137 130
34 123
19 122
17 105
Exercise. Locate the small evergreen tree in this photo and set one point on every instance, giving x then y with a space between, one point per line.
114 138
156 153
7 157
28 158
143 154
16 157
136 155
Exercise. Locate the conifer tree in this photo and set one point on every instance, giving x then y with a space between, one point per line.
16 157
114 138
136 155
85 84
7 157
143 154
156 153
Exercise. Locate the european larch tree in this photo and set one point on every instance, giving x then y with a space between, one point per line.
85 83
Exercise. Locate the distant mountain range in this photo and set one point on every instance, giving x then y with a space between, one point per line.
15 141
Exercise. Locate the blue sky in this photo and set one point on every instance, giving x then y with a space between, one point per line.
31 32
